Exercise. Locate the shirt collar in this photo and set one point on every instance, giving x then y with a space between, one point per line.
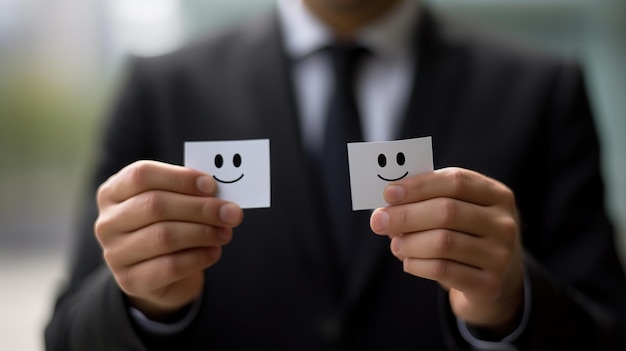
305 34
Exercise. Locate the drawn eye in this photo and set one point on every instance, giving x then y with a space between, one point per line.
400 159
382 160
237 160
219 161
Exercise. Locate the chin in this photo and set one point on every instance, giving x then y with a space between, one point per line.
349 4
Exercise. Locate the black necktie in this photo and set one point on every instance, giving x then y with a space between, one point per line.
342 126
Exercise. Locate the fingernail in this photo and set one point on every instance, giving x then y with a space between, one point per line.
230 213
205 184
379 221
394 193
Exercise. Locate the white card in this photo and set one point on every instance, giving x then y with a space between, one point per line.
241 169
374 165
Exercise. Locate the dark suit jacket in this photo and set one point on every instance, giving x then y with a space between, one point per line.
512 114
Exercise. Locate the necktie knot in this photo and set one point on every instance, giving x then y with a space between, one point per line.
346 59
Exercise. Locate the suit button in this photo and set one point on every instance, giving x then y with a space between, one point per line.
330 329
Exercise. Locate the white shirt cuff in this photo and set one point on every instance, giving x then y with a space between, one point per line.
159 328
506 344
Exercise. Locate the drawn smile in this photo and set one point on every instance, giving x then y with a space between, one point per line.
228 181
393 180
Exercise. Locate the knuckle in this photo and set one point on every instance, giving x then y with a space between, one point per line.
444 242
448 211
170 267
183 181
139 172
101 229
110 257
509 229
418 184
402 219
163 236
508 194
124 280
103 193
457 180
509 197
154 204
440 269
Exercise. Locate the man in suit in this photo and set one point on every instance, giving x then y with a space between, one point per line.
505 246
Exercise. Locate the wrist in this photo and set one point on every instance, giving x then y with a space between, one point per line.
496 332
159 313
170 327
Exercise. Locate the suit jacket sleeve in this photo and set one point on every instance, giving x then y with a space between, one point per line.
91 313
576 280
578 288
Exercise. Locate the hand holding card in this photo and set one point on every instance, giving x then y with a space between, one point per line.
159 227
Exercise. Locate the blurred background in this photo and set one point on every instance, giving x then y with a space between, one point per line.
60 61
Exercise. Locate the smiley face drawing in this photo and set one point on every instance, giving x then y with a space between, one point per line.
400 160
373 165
240 168
219 162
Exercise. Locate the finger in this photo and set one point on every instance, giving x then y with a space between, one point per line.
453 275
142 176
169 299
441 213
453 183
159 272
163 238
156 206
449 245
